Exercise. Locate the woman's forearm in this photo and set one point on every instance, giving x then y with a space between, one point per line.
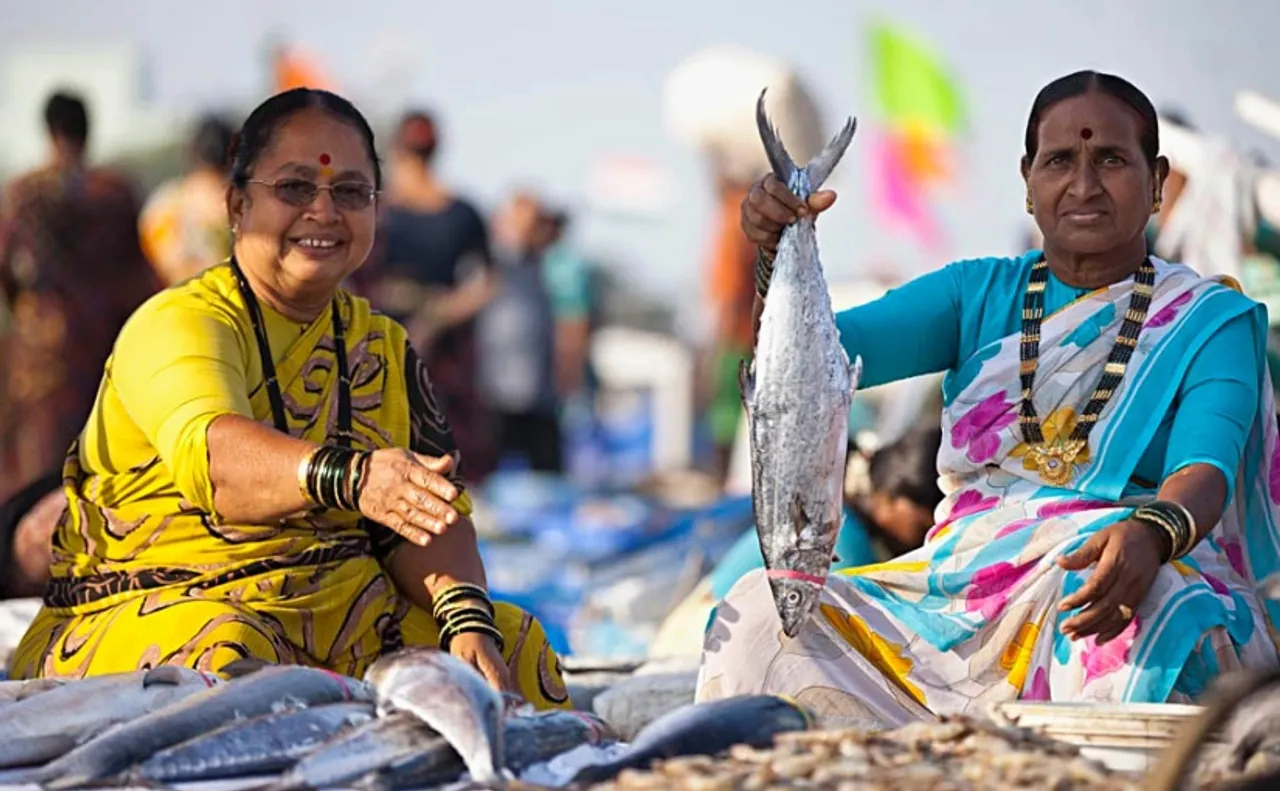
254 471
420 573
1202 490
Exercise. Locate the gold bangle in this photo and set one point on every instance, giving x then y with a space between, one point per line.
462 504
304 469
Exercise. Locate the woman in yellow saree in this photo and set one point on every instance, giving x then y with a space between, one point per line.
265 472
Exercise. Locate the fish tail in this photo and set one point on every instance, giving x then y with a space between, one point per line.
802 181
783 167
820 167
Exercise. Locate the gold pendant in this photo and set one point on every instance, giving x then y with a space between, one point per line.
1056 464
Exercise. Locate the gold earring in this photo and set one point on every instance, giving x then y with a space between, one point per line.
1030 208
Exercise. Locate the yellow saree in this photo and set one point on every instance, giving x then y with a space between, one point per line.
145 572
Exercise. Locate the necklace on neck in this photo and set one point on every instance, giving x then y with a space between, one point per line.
1056 461
274 394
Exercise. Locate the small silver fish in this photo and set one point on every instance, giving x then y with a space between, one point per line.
262 692
47 724
450 697
262 745
797 392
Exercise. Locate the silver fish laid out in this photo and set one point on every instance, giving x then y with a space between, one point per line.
380 743
797 392
46 724
705 729
528 739
263 745
263 692
452 698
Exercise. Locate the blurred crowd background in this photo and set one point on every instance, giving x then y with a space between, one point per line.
560 227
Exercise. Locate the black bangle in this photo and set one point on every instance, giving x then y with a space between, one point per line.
476 626
327 477
764 272
456 593
357 479
1174 521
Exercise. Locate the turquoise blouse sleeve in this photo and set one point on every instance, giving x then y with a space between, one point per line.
1217 402
910 331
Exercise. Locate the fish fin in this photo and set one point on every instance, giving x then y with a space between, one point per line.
779 159
164 675
746 380
798 517
855 374
243 667
820 167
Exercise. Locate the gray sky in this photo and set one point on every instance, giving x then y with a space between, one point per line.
531 93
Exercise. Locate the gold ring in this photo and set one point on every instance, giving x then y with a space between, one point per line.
1126 612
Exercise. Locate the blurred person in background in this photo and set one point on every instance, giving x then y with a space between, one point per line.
265 472
71 272
184 227
516 334
567 275
433 272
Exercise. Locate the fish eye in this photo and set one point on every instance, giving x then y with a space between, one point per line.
793 597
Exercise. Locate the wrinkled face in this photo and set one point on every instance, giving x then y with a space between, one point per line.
795 601
305 235
1090 185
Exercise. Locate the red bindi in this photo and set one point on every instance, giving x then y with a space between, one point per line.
1086 133
324 158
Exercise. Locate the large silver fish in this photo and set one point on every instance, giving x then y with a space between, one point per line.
258 746
44 725
452 698
797 392
267 690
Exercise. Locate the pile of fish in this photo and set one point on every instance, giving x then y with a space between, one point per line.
420 718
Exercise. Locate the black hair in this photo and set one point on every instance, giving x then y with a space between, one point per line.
211 143
909 467
255 134
1083 82
419 134
65 116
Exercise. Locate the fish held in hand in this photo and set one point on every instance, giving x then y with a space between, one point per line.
797 392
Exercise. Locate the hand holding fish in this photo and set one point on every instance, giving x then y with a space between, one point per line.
409 493
770 206
1127 555
481 652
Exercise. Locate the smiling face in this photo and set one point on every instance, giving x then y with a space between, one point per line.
1090 185
285 233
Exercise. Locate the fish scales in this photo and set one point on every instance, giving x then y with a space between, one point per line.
262 745
797 391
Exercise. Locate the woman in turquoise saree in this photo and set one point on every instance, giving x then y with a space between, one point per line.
1109 463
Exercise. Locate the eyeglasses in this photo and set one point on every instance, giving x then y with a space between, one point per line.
347 195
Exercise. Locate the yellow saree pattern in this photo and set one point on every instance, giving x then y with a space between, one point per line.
146 572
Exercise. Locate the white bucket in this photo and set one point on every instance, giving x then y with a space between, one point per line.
1127 737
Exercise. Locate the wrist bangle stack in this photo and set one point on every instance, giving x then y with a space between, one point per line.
465 608
333 477
1174 521
764 272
